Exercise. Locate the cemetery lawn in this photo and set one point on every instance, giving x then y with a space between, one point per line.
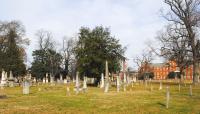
137 99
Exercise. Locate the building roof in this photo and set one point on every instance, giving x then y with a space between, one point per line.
157 64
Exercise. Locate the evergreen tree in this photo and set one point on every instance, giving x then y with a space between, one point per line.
94 47
12 53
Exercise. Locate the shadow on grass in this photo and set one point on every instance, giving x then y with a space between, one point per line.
3 97
161 104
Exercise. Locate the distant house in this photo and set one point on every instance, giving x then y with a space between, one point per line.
162 70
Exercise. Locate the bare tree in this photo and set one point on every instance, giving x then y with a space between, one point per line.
45 39
143 62
174 46
21 41
68 55
186 15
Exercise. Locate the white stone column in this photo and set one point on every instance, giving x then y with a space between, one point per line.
43 80
102 81
51 80
125 81
77 83
26 85
106 78
167 97
46 79
4 78
85 84
160 88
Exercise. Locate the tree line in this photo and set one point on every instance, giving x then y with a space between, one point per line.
87 53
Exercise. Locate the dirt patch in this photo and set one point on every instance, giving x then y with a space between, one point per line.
3 97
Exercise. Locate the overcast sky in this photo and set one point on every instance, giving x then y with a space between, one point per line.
133 22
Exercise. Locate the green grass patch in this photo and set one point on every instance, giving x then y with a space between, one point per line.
137 99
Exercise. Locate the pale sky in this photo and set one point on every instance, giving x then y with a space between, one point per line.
133 22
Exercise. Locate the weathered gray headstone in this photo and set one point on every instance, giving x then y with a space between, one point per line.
52 80
84 84
106 78
128 79
102 81
11 80
26 85
167 97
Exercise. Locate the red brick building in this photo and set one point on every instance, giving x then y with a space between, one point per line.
161 70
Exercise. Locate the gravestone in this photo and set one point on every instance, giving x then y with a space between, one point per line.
118 83
34 80
52 80
77 83
160 88
134 79
61 79
67 86
65 81
43 80
26 86
11 80
102 81
46 79
106 78
84 84
125 82
128 79
167 97
3 78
